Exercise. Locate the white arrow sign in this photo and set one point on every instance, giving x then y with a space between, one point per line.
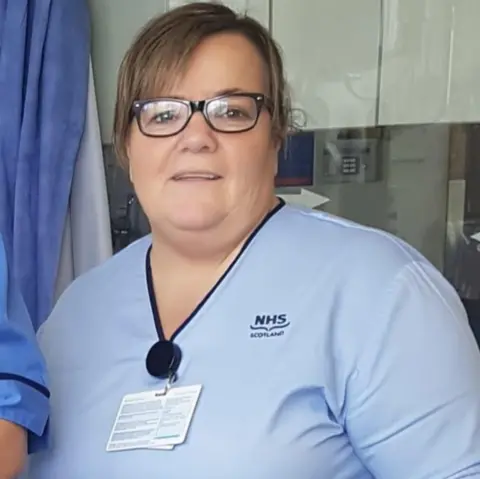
305 198
476 237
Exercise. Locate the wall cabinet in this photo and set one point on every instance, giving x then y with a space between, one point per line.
414 62
350 63
429 73
464 71
331 52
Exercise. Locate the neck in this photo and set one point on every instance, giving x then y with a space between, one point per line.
205 249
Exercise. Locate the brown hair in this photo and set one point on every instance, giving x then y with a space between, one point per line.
161 52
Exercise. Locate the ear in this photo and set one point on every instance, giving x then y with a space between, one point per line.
275 149
129 163
130 175
279 142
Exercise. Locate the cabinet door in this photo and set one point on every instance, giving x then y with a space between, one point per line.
331 52
114 25
258 9
430 73
463 94
414 62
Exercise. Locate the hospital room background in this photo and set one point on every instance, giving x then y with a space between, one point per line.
386 96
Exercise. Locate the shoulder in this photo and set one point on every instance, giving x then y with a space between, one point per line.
354 251
100 288
372 284
112 272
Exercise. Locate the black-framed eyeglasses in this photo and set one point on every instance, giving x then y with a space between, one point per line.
232 113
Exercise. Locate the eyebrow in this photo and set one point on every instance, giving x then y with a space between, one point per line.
225 91
229 91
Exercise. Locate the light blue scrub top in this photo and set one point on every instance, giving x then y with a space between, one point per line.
23 382
329 350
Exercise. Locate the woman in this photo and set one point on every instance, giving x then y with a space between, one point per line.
24 403
244 337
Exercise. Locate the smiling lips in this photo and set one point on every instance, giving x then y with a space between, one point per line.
195 175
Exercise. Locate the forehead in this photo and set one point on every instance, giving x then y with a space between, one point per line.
222 62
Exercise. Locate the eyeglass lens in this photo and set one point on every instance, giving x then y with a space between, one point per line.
227 114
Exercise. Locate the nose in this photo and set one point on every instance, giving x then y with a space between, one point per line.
198 137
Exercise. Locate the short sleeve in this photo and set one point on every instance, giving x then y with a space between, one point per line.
24 395
413 407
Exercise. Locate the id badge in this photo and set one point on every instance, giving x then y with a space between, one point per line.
154 419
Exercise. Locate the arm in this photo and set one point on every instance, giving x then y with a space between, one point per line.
414 400
13 449
24 404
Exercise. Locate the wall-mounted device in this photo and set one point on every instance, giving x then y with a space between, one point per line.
351 160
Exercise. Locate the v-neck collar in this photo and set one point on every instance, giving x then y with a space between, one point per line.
151 290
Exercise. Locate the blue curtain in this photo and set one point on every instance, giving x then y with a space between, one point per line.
44 67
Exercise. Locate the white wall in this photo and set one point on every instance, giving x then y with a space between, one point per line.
114 25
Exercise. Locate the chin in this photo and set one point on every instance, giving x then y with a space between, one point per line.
195 222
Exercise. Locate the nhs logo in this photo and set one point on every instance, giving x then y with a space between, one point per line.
269 325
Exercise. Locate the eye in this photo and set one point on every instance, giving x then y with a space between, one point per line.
165 116
235 113
162 112
227 111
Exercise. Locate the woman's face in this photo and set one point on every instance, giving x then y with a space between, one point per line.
199 178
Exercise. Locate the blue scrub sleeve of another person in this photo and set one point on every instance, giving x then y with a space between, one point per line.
24 397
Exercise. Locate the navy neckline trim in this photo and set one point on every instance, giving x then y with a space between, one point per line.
21 379
151 290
